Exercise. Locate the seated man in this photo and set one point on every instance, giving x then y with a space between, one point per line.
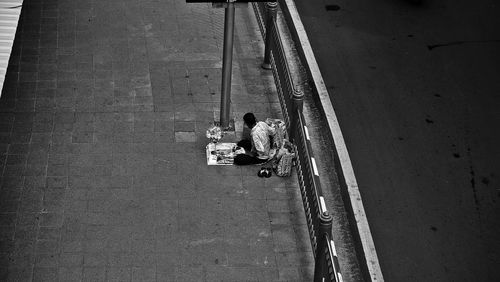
258 147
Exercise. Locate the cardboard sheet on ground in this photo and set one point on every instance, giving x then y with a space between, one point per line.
222 153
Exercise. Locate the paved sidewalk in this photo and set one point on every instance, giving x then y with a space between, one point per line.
102 161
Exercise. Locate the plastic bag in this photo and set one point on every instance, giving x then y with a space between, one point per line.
284 163
280 129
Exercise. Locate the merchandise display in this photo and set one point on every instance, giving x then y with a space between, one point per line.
222 153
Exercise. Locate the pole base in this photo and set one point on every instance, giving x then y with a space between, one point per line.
230 126
266 66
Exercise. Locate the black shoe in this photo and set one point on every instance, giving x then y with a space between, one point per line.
261 172
268 173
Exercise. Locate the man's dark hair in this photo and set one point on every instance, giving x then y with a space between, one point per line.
250 120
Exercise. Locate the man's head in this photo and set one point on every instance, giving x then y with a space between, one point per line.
250 120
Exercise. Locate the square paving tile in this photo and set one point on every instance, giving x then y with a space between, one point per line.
182 136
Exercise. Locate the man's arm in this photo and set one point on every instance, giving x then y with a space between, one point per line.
259 145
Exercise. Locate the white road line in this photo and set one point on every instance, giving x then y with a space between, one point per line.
315 168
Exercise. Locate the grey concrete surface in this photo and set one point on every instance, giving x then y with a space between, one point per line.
415 87
102 150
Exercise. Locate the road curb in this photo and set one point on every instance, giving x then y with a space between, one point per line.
367 254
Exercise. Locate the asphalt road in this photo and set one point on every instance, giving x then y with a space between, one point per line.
416 90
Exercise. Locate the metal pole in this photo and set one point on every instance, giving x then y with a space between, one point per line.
227 61
271 9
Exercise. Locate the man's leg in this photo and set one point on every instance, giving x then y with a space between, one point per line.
244 159
245 144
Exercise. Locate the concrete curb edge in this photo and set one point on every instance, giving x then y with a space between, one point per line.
366 246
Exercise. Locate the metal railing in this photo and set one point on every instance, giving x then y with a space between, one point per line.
10 12
319 221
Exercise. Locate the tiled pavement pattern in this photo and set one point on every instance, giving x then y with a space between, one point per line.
102 162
